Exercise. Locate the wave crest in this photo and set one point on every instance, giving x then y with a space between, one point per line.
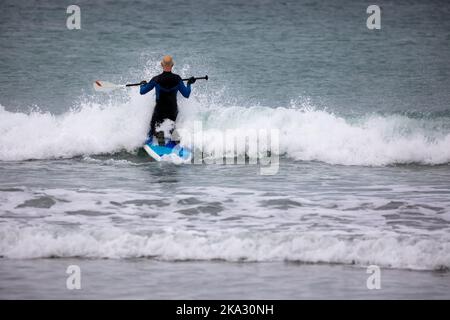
304 132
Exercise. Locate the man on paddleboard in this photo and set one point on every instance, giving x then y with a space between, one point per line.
167 85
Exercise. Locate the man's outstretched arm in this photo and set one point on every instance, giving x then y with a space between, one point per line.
147 87
185 90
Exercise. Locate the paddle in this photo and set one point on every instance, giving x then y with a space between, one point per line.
104 86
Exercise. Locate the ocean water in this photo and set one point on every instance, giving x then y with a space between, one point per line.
363 177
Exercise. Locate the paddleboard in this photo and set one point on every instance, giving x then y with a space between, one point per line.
157 152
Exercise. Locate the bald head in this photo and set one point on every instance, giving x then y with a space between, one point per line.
167 63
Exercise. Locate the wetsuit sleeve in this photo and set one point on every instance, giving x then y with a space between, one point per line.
147 87
185 90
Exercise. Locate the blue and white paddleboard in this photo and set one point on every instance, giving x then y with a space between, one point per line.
157 151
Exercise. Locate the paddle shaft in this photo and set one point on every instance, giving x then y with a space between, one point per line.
138 84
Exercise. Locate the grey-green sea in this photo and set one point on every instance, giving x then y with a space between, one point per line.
363 151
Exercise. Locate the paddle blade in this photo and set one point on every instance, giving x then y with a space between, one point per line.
104 86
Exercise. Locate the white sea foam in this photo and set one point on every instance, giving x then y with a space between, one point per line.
388 250
305 133
118 224
92 129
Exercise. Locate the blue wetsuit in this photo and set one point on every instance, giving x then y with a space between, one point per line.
167 85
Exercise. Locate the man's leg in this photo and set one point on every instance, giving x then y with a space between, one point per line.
154 123
159 135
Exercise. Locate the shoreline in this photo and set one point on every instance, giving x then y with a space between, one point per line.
151 279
